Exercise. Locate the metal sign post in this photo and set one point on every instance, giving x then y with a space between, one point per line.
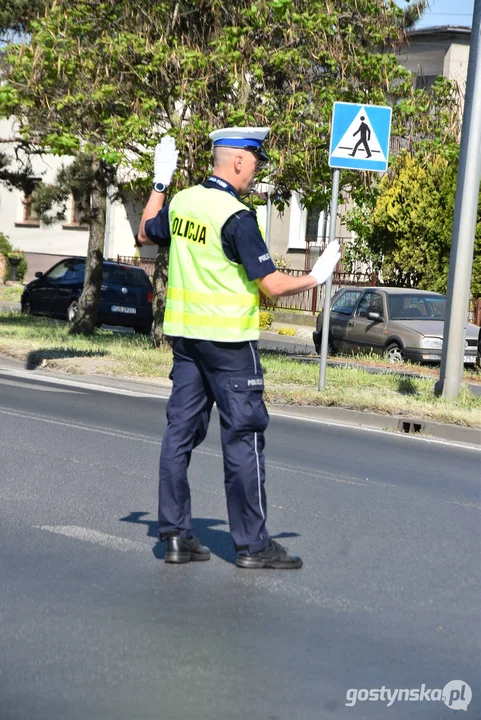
464 223
328 286
359 141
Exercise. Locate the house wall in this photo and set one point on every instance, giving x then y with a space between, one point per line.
455 64
438 53
44 243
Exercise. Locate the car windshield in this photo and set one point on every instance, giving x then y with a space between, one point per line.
125 276
416 307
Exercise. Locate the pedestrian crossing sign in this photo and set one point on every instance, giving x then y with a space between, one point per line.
360 137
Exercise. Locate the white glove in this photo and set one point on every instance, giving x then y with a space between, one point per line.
165 160
324 266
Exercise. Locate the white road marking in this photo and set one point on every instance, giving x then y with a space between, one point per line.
39 388
112 432
302 593
86 385
97 538
471 505
319 474
274 585
398 435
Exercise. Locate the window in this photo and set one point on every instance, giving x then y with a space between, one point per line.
345 304
75 272
79 207
29 216
425 82
125 276
297 223
306 227
317 231
58 271
78 213
371 302
417 307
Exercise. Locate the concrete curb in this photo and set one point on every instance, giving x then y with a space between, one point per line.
343 416
400 423
291 318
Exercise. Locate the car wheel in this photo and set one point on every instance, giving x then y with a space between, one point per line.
394 353
143 329
72 311
26 306
331 350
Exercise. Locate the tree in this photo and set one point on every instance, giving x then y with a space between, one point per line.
407 234
65 103
404 224
412 13
16 15
105 79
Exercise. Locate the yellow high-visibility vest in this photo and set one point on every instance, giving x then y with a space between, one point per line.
209 297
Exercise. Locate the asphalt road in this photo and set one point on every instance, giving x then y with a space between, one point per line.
95 626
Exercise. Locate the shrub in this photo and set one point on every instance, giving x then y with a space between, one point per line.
265 319
267 303
21 267
5 246
7 251
281 263
286 331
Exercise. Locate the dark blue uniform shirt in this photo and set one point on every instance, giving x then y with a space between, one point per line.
242 241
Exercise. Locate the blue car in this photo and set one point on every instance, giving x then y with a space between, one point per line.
125 299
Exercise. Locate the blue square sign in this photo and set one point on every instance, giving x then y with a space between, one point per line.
360 137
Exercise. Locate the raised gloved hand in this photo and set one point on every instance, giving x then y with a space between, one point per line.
165 160
324 266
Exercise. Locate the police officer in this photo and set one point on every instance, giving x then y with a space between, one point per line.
218 262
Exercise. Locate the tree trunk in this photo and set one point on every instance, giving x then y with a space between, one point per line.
84 323
160 294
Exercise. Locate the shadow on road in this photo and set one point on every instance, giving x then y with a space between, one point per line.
37 357
218 540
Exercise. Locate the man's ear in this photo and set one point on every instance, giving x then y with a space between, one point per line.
238 160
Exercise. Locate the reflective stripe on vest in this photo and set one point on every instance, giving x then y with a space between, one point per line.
209 297
208 321
190 296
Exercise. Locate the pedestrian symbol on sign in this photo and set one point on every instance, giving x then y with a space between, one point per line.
365 136
360 137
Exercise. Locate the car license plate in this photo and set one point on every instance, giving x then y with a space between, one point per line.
469 359
123 309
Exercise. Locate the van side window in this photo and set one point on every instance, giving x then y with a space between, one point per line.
371 302
345 304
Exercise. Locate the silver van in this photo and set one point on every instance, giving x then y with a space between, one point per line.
398 323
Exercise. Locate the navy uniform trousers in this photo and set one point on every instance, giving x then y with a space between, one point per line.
230 375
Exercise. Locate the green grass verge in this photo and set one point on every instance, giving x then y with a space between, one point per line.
47 343
11 293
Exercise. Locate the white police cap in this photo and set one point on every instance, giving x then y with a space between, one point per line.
247 138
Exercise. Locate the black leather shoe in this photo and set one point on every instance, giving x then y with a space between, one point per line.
274 556
184 550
